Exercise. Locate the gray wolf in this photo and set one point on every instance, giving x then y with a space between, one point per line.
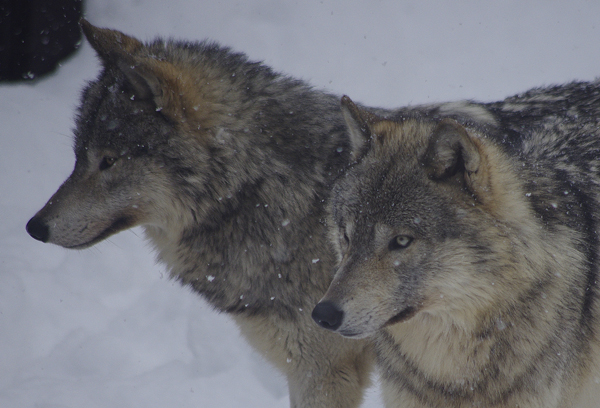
468 250
227 165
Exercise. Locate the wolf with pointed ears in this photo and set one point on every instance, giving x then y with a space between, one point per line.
227 166
469 251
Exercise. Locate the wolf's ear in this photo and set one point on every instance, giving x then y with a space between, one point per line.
359 123
452 151
109 43
117 49
142 82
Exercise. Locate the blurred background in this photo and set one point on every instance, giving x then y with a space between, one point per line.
105 327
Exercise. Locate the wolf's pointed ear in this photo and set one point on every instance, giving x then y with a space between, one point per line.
109 43
117 49
142 82
452 151
359 124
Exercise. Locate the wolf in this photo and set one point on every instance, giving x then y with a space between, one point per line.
468 250
227 165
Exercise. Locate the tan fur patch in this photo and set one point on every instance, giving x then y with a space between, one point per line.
106 41
190 98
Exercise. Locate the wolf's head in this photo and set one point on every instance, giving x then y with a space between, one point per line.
417 225
145 140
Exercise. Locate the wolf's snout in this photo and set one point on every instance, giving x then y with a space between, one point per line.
327 315
38 229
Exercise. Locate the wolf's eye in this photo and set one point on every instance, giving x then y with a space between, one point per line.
107 162
400 242
346 239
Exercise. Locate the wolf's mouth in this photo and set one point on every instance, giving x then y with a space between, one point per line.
346 333
405 314
120 224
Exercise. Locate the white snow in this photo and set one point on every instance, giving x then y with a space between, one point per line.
104 327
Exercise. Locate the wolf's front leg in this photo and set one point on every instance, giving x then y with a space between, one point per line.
323 369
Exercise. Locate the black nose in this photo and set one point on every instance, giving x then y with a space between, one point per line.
38 229
327 315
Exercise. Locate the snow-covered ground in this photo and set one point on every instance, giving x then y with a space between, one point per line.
104 327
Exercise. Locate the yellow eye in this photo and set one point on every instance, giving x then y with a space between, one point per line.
400 242
107 162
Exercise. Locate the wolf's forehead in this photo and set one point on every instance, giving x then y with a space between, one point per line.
378 192
106 122
406 139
